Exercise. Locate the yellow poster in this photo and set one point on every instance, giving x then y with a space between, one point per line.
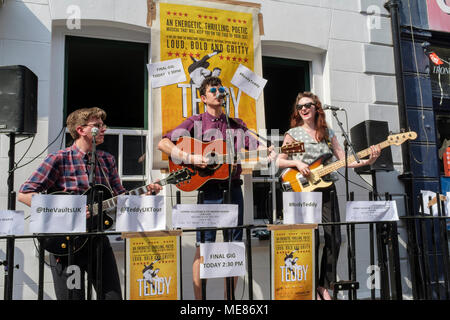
153 267
293 264
211 39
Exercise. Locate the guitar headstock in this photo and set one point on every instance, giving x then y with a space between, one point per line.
179 176
294 147
399 138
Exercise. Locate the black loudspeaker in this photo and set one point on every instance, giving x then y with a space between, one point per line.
18 100
368 133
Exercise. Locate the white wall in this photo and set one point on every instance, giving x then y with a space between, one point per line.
351 67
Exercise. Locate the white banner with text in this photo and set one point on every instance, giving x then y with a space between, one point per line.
186 216
222 259
58 213
302 207
140 213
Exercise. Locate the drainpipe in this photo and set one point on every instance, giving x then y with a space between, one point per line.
406 177
392 6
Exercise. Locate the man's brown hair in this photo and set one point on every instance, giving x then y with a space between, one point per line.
209 81
81 117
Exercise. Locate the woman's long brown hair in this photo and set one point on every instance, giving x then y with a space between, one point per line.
321 125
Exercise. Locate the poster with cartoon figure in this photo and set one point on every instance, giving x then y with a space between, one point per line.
153 268
293 275
211 38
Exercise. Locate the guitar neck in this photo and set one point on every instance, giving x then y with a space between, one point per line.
246 154
112 202
350 159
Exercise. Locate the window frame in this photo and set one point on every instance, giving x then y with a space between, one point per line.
120 132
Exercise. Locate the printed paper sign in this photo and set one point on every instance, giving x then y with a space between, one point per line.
186 216
212 38
370 211
153 265
293 264
11 222
248 81
222 259
167 72
58 213
140 213
302 207
427 196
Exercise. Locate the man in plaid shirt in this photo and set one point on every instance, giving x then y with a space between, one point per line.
68 170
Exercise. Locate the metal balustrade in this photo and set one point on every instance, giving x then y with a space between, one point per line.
427 250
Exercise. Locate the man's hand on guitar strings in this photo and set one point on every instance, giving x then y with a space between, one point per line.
199 160
153 188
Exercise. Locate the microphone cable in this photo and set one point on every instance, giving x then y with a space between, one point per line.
27 163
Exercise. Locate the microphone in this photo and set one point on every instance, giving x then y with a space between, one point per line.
221 95
94 131
328 107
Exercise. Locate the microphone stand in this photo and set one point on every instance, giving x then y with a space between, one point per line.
347 144
91 205
227 196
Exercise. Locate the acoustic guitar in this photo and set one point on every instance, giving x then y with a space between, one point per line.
215 151
293 180
58 244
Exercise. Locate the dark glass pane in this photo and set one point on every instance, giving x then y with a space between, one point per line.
110 75
69 140
262 201
289 77
111 145
133 155
130 185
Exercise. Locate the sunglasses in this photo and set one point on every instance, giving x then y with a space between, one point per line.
306 105
214 90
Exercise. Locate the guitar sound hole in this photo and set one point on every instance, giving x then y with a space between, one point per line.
213 164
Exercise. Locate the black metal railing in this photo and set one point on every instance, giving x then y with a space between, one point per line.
427 252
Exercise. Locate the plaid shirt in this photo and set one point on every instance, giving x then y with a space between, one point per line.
67 171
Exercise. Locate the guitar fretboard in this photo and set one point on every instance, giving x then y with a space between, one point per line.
245 155
112 202
350 159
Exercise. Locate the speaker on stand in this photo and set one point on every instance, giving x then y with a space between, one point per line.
365 134
18 117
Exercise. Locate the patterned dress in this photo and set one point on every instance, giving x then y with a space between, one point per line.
313 149
330 207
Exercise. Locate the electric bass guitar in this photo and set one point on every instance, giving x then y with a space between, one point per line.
292 180
58 245
215 151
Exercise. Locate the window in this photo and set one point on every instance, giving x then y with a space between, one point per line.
112 75
286 78
440 84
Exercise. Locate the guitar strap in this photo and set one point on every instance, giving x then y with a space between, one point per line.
328 141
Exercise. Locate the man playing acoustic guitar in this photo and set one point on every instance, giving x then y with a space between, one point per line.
208 126
68 170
